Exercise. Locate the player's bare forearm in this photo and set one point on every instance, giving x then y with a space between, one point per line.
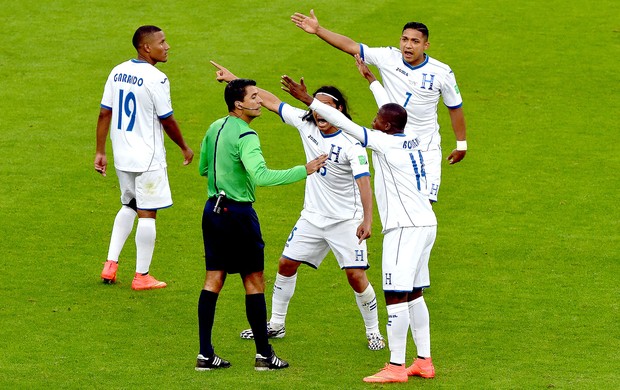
270 101
364 230
457 117
174 132
103 127
339 41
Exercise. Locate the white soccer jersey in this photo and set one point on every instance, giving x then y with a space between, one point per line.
139 96
400 177
331 194
417 89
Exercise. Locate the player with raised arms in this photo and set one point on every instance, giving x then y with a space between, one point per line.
409 228
415 81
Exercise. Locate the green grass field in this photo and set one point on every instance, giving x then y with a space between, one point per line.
525 268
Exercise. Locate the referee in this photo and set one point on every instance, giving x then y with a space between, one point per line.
232 160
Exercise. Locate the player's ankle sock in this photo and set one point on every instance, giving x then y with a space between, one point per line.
145 244
420 326
123 225
283 290
367 303
397 329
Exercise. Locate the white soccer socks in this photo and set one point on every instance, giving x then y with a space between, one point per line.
367 303
397 329
420 326
283 290
123 225
145 244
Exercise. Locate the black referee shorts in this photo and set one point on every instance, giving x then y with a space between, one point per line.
232 239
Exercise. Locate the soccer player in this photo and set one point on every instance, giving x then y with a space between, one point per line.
414 80
337 213
409 228
232 160
136 103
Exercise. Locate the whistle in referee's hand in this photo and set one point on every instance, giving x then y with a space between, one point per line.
218 209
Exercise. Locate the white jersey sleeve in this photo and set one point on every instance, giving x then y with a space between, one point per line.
380 94
291 115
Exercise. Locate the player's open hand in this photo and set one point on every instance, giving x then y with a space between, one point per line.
101 163
316 164
296 90
309 24
456 156
223 74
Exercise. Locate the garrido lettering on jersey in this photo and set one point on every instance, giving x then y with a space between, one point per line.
129 79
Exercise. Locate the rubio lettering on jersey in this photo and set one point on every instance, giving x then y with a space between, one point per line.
129 79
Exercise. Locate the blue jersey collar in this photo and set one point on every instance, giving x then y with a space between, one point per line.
408 65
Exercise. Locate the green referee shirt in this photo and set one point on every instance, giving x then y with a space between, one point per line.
232 160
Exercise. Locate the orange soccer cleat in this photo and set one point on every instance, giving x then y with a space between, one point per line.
109 271
389 374
422 367
146 282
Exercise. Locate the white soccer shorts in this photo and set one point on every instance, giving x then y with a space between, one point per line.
406 252
150 189
310 244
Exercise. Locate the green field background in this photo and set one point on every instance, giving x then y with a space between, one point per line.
525 270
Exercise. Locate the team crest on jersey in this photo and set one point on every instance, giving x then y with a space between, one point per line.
363 160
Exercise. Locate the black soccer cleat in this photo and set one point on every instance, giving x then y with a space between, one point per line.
212 363
269 363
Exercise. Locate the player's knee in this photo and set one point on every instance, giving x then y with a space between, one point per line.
357 279
287 267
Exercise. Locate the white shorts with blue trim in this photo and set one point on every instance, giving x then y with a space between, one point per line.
151 190
310 244
406 252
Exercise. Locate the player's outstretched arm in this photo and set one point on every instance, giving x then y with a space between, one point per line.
270 101
364 70
103 127
174 132
457 117
381 96
310 24
332 115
